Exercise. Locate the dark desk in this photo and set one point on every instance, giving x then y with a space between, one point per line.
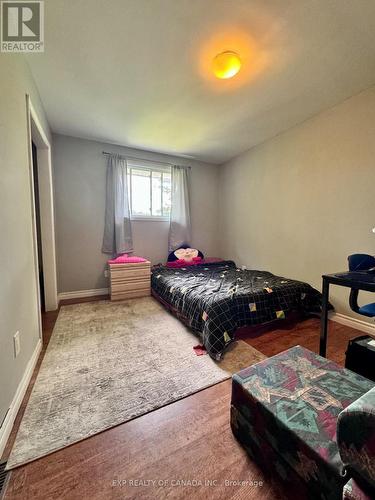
359 280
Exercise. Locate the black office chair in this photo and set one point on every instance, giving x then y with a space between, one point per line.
361 262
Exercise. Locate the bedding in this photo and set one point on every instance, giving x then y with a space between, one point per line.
215 299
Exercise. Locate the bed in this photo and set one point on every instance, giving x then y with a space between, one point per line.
215 299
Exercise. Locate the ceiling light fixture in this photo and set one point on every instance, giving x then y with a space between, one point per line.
226 64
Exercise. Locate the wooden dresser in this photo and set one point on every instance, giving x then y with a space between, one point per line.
128 281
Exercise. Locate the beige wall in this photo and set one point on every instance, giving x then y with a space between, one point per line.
79 174
300 203
18 295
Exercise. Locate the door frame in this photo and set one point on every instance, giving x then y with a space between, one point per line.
37 135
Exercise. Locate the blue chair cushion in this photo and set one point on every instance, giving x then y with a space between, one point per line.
361 262
367 310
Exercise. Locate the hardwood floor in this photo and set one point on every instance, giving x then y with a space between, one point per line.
183 450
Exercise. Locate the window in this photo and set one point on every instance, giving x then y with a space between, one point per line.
149 190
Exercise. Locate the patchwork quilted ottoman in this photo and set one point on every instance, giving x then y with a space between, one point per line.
284 412
356 441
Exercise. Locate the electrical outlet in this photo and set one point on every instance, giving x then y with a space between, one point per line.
106 274
16 344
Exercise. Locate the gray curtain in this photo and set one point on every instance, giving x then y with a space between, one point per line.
180 224
117 237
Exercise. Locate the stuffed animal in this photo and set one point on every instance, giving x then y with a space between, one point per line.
185 256
185 253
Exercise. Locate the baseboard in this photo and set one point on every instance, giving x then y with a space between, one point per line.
7 426
79 294
358 324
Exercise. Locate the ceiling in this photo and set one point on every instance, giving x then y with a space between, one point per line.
138 72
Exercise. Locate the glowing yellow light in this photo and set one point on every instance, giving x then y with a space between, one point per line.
226 65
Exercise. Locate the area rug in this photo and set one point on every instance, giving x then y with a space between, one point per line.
108 362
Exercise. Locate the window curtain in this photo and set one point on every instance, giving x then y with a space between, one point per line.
117 237
180 224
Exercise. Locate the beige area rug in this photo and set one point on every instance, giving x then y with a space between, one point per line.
108 362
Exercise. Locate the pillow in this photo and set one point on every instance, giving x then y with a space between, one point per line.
185 263
125 259
185 253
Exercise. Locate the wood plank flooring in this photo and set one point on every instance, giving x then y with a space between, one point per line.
184 450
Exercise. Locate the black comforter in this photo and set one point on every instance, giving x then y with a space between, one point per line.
216 299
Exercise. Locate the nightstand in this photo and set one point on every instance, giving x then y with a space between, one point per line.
130 280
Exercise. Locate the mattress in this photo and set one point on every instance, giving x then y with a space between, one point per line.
215 299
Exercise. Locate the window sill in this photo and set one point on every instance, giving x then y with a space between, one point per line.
150 219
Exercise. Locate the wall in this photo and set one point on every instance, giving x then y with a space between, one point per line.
300 203
80 177
18 293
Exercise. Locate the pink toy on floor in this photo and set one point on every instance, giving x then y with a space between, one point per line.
125 259
199 350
